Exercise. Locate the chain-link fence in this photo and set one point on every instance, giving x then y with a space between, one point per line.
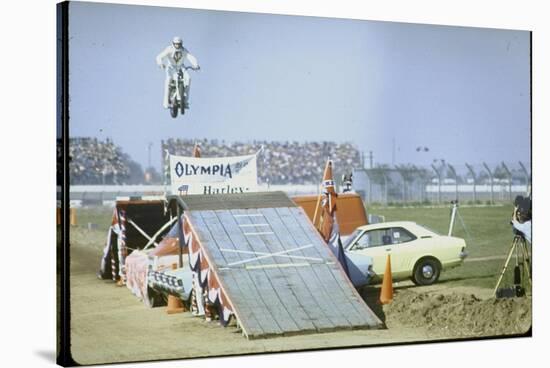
442 182
287 164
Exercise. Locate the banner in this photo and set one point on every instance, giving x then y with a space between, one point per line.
213 175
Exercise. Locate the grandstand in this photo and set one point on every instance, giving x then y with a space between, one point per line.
100 170
97 162
100 162
282 162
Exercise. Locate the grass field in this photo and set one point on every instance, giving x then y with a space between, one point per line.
488 234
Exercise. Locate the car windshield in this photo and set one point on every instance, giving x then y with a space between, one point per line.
429 229
350 238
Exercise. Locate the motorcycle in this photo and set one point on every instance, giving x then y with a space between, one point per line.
176 93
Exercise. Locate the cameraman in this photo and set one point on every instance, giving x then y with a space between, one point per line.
521 218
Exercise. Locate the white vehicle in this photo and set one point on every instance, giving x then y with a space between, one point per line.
416 252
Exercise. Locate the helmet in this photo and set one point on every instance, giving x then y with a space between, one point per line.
177 42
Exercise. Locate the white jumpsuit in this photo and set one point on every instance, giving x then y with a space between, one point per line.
173 59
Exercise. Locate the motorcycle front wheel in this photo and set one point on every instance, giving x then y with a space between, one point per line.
173 107
172 99
174 110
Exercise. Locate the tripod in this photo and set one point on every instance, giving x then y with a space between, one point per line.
519 247
454 215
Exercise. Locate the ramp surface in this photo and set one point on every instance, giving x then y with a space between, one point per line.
277 272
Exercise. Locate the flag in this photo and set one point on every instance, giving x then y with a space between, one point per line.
197 150
181 235
342 256
328 204
329 225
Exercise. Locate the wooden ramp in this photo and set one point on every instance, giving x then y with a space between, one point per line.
277 272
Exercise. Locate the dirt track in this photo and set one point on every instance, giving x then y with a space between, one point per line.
109 324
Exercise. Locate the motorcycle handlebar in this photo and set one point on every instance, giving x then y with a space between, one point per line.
163 66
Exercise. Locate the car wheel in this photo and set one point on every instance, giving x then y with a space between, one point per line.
426 271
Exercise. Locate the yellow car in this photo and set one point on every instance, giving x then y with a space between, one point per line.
416 252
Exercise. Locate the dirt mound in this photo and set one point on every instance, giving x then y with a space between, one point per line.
459 315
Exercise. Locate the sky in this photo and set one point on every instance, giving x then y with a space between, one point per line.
386 87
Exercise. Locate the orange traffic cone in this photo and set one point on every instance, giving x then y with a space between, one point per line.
73 216
175 304
386 293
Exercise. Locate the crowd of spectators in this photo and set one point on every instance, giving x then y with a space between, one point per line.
100 162
93 161
282 162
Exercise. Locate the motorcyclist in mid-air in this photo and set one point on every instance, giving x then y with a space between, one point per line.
171 59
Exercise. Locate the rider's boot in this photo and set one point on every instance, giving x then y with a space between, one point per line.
186 95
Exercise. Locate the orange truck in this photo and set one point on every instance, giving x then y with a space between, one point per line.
350 211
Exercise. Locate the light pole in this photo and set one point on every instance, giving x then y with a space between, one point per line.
149 146
439 173
423 182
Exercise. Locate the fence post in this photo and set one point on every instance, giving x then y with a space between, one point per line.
415 175
418 176
438 173
423 193
370 190
509 174
491 178
526 173
385 187
403 186
370 185
453 172
473 173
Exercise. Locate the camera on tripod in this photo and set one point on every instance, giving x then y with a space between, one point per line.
522 209
521 217
521 222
